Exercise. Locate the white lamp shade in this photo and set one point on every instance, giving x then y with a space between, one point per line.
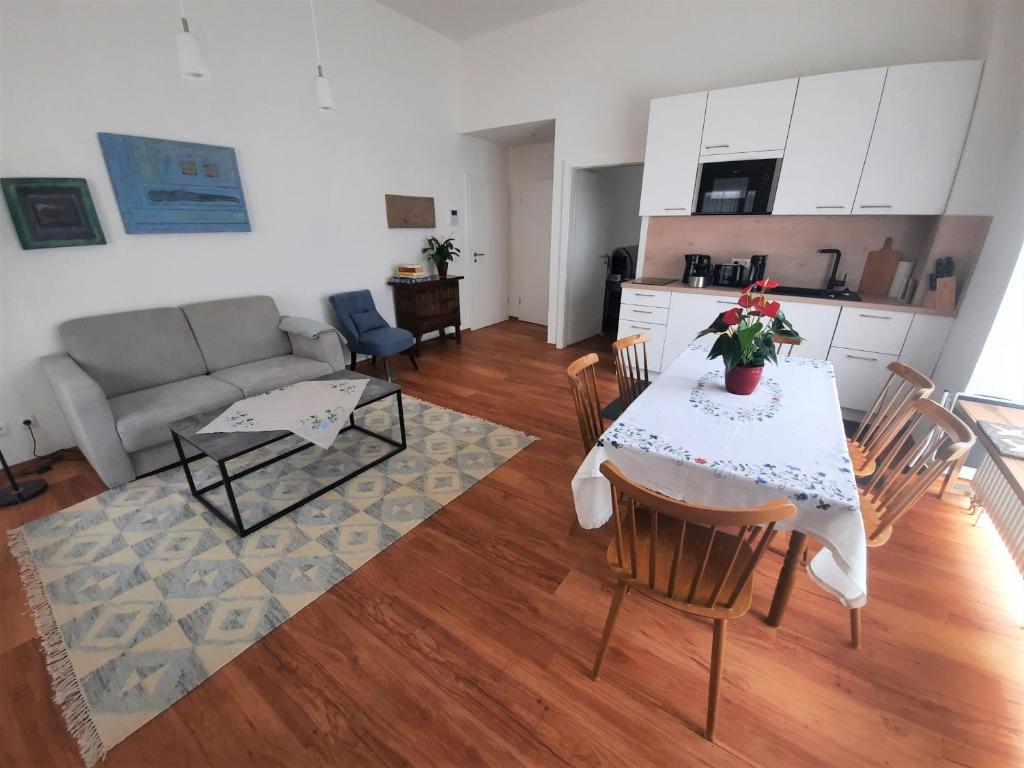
324 98
191 63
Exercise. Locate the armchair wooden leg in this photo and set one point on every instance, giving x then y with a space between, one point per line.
609 625
412 358
387 369
855 627
717 657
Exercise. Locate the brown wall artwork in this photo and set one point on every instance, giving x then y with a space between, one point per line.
405 212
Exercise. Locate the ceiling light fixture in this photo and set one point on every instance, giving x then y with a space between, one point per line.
324 97
191 63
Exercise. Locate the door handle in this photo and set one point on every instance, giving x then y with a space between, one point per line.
477 255
716 146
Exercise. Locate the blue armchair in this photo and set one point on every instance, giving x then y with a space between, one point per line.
367 332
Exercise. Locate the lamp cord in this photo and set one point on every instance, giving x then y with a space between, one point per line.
316 35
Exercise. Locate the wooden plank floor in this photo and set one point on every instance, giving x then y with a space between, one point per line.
468 642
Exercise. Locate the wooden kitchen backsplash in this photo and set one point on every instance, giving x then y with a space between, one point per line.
791 243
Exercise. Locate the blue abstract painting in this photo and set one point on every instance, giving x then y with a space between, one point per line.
174 186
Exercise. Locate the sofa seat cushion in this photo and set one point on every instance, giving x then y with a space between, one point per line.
385 341
142 417
265 375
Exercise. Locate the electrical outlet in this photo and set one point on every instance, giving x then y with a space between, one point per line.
29 418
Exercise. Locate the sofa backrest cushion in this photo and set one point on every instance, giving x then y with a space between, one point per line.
232 332
129 351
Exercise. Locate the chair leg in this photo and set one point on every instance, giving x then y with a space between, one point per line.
373 360
412 357
717 656
387 370
609 625
855 627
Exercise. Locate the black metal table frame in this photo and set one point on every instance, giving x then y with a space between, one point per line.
226 477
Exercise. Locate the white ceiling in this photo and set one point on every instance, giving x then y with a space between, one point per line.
516 135
460 19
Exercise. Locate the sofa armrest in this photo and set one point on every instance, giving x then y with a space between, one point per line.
87 410
326 348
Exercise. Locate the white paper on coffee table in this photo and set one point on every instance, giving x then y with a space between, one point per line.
314 410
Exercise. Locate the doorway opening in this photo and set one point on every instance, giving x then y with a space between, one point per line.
603 246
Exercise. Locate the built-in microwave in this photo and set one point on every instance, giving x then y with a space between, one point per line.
737 187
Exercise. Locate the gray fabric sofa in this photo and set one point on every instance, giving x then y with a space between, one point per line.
124 377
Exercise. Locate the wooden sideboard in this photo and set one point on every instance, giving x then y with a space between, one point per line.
428 305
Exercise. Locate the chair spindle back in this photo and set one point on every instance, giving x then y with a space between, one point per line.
583 384
717 548
892 409
631 366
910 468
792 342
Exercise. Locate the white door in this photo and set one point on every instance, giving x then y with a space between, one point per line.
486 256
828 141
588 257
918 138
531 251
673 146
750 118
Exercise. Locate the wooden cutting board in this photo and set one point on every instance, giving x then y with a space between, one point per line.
879 270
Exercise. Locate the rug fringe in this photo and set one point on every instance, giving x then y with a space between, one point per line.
67 692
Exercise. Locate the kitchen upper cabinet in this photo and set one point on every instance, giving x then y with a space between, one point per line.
828 141
918 138
670 163
749 118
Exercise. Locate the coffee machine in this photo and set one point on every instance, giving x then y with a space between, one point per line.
758 265
697 264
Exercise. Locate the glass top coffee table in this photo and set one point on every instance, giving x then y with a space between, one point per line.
222 447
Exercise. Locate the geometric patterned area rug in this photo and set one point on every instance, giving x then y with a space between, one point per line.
140 594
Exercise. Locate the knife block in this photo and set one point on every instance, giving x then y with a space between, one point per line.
943 297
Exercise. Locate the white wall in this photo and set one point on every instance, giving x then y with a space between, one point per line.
620 191
989 182
314 182
594 67
530 171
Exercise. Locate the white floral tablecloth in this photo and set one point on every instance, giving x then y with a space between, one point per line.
688 438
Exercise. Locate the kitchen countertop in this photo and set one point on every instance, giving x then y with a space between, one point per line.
866 302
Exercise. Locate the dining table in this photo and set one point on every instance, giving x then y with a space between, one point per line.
688 438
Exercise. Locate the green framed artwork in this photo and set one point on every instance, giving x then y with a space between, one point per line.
52 213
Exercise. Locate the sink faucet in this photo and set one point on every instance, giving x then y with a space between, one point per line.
833 283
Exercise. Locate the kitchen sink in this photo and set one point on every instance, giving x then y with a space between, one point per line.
814 293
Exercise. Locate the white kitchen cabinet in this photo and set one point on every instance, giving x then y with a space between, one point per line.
918 138
655 346
748 118
872 330
690 314
815 323
925 340
860 375
670 162
828 141
645 298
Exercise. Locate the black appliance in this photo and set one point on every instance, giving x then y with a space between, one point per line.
745 187
758 264
732 275
697 264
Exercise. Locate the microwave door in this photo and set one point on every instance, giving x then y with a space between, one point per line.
727 195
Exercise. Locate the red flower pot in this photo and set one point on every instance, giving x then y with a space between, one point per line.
742 380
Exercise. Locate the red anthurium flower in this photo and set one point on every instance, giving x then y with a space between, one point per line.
771 309
766 283
746 300
732 317
749 288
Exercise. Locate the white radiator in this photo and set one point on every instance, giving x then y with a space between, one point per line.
1003 506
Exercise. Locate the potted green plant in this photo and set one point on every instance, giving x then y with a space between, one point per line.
746 337
441 252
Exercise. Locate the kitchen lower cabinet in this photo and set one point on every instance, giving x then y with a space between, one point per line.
872 330
860 375
689 315
655 346
925 340
815 323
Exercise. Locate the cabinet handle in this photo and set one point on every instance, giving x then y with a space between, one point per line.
716 146
837 207
876 317
640 327
723 301
644 294
681 208
876 206
858 357
642 311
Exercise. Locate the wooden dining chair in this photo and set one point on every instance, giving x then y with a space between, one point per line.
887 418
786 341
698 560
582 374
906 473
631 367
